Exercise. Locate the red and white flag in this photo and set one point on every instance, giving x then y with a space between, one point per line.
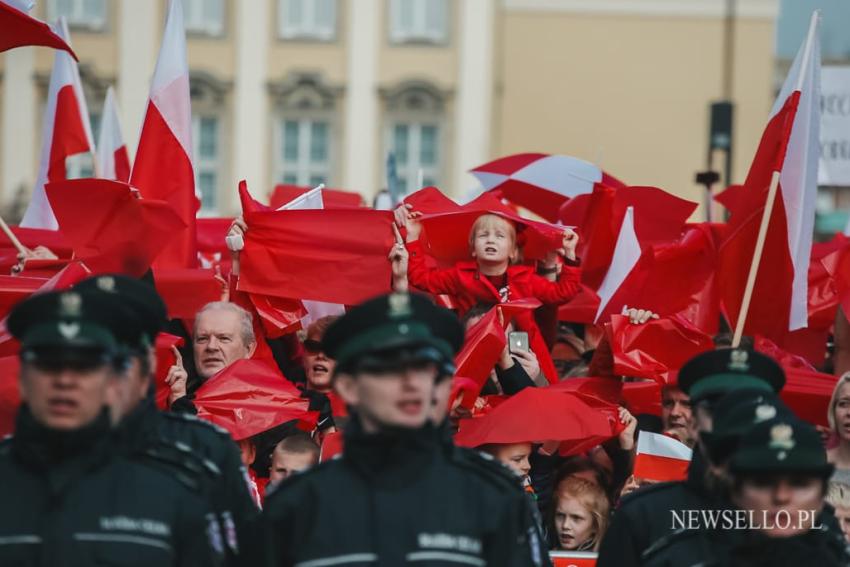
111 150
20 29
163 165
626 255
661 458
66 132
789 148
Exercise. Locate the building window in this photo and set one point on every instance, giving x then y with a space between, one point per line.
307 19
416 149
79 166
204 16
88 14
205 138
303 151
418 21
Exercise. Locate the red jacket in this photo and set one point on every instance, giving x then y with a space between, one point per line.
467 287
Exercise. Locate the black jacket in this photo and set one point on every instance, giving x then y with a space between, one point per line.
396 499
69 499
201 451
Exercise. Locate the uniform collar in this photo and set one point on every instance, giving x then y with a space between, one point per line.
395 456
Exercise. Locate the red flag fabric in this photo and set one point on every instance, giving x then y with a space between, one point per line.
446 234
10 396
332 198
163 167
484 344
165 359
212 249
789 150
249 397
65 132
538 415
334 255
111 229
185 291
661 458
20 29
654 349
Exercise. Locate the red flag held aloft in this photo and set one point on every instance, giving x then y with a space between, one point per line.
20 29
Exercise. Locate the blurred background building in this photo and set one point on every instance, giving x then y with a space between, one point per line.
319 91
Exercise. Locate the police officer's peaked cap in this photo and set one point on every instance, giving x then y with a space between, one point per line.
149 311
735 414
718 372
781 446
72 319
390 323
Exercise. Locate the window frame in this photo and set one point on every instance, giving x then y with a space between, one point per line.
206 30
289 32
407 171
418 34
305 168
202 164
77 20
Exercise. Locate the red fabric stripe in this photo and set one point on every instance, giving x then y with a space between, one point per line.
69 135
510 164
656 467
122 164
20 29
163 171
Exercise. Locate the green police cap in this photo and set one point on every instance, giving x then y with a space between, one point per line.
785 446
390 323
735 414
149 314
717 372
67 319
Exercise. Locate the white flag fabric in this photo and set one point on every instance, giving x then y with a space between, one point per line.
626 255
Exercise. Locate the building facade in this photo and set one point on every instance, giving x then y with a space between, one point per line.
319 91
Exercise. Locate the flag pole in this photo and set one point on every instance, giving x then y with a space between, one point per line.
771 198
11 235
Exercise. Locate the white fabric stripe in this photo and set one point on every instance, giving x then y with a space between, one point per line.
121 538
626 255
339 560
662 446
445 556
19 539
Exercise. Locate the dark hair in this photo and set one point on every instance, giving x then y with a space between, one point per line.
477 310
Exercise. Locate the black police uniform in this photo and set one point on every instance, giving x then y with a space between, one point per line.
397 497
204 454
643 522
69 497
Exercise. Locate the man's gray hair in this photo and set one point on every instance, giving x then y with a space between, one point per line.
246 321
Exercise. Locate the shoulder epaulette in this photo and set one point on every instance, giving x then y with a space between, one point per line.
187 468
189 418
648 489
6 444
299 477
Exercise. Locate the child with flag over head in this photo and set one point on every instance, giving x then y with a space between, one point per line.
493 275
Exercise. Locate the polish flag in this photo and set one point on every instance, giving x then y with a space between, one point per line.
112 153
626 255
66 132
163 165
20 29
661 458
313 199
788 152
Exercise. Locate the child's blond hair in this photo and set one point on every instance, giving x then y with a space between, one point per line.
838 495
592 497
489 220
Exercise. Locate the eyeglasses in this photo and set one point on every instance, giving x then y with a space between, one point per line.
313 346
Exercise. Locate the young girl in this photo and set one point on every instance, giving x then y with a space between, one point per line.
492 276
579 516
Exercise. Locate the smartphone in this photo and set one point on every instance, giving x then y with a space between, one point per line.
517 341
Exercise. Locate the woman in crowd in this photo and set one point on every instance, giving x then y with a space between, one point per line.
579 515
839 422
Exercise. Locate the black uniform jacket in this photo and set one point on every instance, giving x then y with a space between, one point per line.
70 499
396 499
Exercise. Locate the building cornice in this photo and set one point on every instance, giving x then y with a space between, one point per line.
745 9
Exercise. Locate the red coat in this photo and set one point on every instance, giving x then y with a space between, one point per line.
468 287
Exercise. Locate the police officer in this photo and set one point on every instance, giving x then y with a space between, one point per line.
395 496
780 475
643 518
69 498
195 448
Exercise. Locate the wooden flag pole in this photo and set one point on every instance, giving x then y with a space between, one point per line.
11 235
771 195
754 266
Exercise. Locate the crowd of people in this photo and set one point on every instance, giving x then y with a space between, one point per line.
374 477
